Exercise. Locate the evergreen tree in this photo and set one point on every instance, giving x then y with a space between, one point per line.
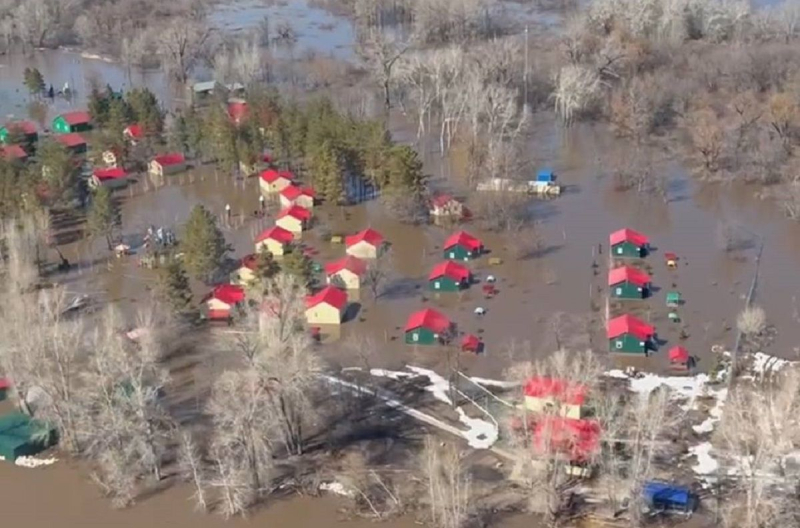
11 199
297 128
266 269
178 138
117 117
326 174
404 172
221 138
98 106
374 152
34 81
296 263
203 244
103 216
58 172
173 286
145 110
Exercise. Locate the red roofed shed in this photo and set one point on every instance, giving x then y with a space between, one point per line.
365 244
222 300
628 243
628 334
462 246
426 327
449 276
628 283
577 440
13 152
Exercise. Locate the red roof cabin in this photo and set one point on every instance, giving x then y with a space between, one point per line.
346 272
627 243
445 206
296 195
577 441
428 327
165 164
449 276
326 307
462 246
629 335
276 240
272 181
245 272
366 244
18 132
73 142
679 358
544 394
627 282
111 178
237 111
471 343
222 301
78 121
13 153
133 133
294 219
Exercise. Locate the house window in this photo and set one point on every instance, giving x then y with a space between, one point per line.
619 344
452 255
436 285
619 250
415 336
619 291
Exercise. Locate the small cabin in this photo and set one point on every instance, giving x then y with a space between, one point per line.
245 272
577 441
327 307
294 219
296 195
366 244
165 164
564 397
629 335
237 111
223 300
627 243
276 240
428 327
133 133
463 246
449 276
272 181
111 178
545 183
19 132
73 142
346 272
445 206
69 122
13 153
627 282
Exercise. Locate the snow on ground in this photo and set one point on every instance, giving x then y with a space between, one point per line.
391 374
481 434
763 363
337 488
494 383
706 464
439 387
33 462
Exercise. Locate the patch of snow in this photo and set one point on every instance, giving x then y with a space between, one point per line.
494 383
706 464
391 374
714 414
763 363
439 386
481 434
33 462
336 488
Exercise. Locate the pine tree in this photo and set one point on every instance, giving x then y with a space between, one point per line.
266 269
98 106
57 170
34 81
221 138
117 117
203 244
374 153
173 286
145 110
326 174
103 216
296 263
404 171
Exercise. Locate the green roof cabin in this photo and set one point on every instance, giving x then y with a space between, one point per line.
449 276
78 121
627 282
627 243
19 132
427 327
21 435
462 246
629 335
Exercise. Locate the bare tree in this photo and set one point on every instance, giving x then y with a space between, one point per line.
376 275
577 90
192 467
752 320
381 51
449 484
181 43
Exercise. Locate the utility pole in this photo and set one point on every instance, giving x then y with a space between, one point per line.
525 73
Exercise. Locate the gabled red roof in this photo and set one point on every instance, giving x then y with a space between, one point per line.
450 269
628 274
471 343
369 235
328 295
292 192
5 383
135 131
430 319
678 354
249 261
78 117
73 139
276 233
628 235
295 211
628 324
462 238
578 440
172 158
12 152
237 110
109 174
271 175
558 389
228 293
442 200
24 127
350 263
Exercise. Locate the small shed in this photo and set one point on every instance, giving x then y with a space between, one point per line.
327 306
73 142
471 343
671 260
294 219
272 181
449 276
669 498
545 183
629 335
18 132
346 272
133 133
245 272
366 244
427 327
544 393
296 195
204 88
679 357
576 440
444 205
237 111
222 301
21 435
627 243
627 282
462 246
78 121
164 164
276 240
112 178
674 299
13 153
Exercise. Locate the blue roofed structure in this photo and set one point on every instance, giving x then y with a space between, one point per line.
664 496
546 176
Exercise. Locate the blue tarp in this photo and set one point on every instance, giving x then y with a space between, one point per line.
546 176
662 495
